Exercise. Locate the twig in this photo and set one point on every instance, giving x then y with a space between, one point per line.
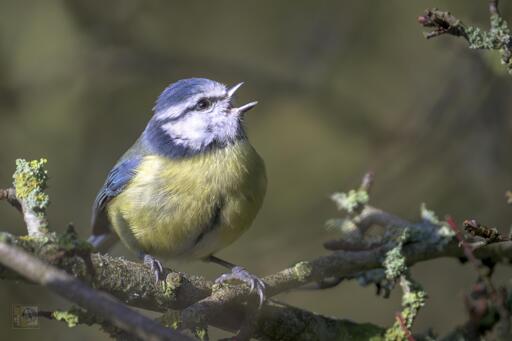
9 194
131 282
468 251
367 182
493 7
508 197
74 290
497 38
30 182
443 23
490 234
401 322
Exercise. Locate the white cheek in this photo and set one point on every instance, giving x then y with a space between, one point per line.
191 131
225 126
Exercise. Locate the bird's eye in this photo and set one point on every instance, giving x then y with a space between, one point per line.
203 104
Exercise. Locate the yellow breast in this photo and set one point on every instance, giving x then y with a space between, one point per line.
190 207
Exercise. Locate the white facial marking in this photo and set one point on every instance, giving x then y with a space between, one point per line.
197 129
189 131
176 110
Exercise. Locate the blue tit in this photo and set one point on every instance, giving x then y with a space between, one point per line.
190 185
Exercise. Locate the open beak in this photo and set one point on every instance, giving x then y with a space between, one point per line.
243 108
233 89
247 107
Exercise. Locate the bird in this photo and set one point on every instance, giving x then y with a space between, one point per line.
190 185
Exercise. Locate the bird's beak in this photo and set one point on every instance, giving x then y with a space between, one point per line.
243 108
233 89
247 107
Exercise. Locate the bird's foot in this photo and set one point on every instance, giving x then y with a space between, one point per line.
239 273
155 266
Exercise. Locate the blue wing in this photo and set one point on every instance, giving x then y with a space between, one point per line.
117 180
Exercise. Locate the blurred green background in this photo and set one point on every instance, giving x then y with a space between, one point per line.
343 86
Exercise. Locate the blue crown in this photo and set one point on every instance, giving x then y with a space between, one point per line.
181 90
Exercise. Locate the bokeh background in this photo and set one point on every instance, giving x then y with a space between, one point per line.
343 86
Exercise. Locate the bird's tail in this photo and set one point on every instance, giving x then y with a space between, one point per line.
103 242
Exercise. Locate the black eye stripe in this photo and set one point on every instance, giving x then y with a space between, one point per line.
211 99
192 107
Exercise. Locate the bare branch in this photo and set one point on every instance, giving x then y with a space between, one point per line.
9 194
493 7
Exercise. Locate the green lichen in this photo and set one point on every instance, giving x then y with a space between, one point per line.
429 215
30 182
351 201
171 319
69 241
193 321
413 300
6 238
70 317
395 266
479 39
394 262
171 284
303 271
341 225
497 38
347 229
201 333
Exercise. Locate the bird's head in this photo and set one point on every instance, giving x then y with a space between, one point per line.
194 115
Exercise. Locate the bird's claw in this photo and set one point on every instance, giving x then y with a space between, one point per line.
240 274
155 266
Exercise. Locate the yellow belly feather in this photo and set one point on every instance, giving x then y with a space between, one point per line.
167 208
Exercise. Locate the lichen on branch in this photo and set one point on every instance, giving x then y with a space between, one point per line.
30 183
497 38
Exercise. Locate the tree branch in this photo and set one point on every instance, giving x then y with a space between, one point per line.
74 290
132 282
30 182
497 38
225 306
